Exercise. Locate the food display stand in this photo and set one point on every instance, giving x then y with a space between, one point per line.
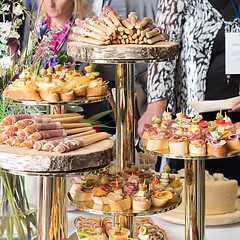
125 57
53 170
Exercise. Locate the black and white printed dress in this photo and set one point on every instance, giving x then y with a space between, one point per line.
194 24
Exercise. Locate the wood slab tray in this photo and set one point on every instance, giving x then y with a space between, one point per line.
28 160
159 51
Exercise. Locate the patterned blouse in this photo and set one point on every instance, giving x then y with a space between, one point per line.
194 24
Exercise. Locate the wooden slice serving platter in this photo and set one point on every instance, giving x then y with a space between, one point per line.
126 52
28 160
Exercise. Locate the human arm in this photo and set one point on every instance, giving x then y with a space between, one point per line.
235 108
155 108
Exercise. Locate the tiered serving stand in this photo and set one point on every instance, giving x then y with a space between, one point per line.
125 57
53 170
194 190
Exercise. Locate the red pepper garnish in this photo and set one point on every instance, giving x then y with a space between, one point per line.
228 124
57 76
202 123
64 67
135 174
155 181
220 121
117 188
101 227
186 117
92 79
106 186
118 233
76 75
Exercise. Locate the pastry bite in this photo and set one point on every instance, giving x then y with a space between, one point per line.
119 201
119 233
141 201
178 145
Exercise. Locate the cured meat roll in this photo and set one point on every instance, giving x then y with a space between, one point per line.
217 148
50 145
43 126
48 134
26 122
11 119
69 145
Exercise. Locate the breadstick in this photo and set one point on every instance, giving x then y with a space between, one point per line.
119 37
114 42
136 41
134 36
152 33
127 41
78 130
75 125
114 18
95 35
140 38
144 22
132 41
121 29
122 41
130 38
156 39
133 18
69 119
83 134
90 40
121 33
97 137
109 23
124 36
118 41
138 32
105 28
53 116
141 42
127 31
126 23
94 29
143 32
145 40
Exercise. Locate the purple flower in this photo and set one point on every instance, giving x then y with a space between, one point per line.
13 45
49 62
42 29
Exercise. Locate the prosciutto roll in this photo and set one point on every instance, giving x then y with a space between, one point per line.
69 145
50 145
3 138
28 143
11 119
14 141
43 126
39 144
217 148
26 122
178 145
48 134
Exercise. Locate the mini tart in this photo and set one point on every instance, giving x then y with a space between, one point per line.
159 199
118 203
199 150
141 204
78 195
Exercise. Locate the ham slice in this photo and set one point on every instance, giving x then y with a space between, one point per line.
50 145
26 122
11 119
69 145
48 134
43 126
217 148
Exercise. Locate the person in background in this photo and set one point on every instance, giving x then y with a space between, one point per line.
199 72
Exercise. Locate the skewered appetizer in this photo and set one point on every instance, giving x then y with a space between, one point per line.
110 28
143 233
195 136
56 84
119 233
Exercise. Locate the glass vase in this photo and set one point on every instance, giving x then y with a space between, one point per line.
18 219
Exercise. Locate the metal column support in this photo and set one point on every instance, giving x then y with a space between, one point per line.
195 199
125 103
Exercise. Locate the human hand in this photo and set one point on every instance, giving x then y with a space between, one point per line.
153 109
235 108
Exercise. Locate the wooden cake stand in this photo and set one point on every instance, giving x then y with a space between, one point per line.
125 57
53 170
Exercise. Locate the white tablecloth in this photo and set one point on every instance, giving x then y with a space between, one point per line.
174 231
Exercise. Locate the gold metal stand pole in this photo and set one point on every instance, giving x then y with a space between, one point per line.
127 221
125 142
195 199
52 217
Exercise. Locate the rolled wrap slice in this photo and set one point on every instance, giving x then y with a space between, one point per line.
50 145
43 126
48 134
39 144
11 119
26 122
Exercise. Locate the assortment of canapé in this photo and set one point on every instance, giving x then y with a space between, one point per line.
130 188
193 136
56 84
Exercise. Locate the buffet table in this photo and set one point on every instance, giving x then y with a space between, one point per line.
174 231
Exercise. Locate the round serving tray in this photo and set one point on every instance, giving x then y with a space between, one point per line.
83 100
23 160
166 153
123 53
105 209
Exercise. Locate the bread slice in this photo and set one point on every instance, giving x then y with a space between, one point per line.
119 205
233 144
155 143
46 96
69 96
78 195
97 91
22 94
100 200
80 91
198 150
217 149
178 148
141 205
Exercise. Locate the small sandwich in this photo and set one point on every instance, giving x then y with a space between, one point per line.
67 96
217 148
232 141
178 145
141 201
118 201
80 89
197 147
97 87
82 192
158 142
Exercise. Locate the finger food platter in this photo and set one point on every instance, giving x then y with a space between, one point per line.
105 209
